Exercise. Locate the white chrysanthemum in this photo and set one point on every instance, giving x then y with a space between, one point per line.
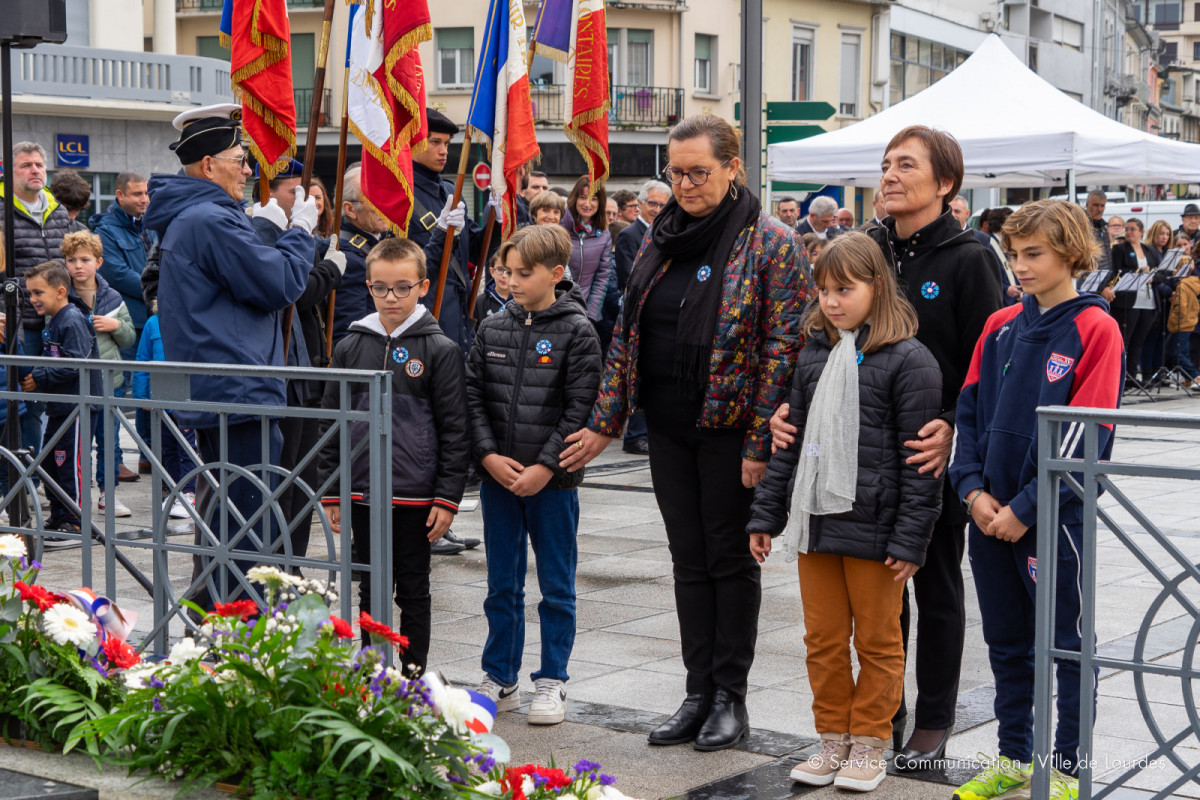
268 576
455 707
12 547
609 793
567 796
186 650
138 676
527 785
66 624
394 675
490 787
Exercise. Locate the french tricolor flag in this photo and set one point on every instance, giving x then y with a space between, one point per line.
501 112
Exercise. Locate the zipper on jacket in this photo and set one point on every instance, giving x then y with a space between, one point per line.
512 412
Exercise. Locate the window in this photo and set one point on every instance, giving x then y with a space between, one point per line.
210 47
918 63
545 71
1196 12
1195 51
456 57
639 49
802 63
1033 57
1068 33
705 45
851 74
1166 12
1170 51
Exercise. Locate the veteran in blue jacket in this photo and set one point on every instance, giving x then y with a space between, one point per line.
221 295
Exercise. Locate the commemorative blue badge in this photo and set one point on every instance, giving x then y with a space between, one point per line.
400 355
704 273
860 356
543 347
415 368
930 290
1058 366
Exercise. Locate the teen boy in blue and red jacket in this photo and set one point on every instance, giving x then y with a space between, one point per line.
1056 348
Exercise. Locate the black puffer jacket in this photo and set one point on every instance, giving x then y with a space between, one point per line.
531 380
899 390
429 424
35 241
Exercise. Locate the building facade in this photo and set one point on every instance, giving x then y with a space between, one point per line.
103 110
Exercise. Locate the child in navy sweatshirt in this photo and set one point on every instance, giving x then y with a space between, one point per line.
1056 348
68 334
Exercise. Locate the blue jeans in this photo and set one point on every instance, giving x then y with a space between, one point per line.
176 460
1179 352
99 434
550 519
636 427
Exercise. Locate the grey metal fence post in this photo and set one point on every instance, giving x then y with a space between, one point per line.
1087 600
1049 436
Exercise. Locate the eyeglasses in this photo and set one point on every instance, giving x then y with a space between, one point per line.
657 206
502 272
697 175
631 204
401 290
244 159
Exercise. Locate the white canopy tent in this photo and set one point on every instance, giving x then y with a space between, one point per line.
1015 129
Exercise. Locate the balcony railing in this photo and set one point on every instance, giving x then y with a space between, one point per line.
216 5
635 106
66 71
304 107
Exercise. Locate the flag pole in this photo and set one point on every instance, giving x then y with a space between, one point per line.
447 248
310 145
482 267
337 205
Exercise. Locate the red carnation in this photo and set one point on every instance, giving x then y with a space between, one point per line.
341 628
242 609
42 598
379 629
120 654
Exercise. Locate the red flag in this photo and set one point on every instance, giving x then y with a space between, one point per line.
261 72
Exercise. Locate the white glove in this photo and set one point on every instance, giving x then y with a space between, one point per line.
304 212
338 258
271 212
497 208
453 219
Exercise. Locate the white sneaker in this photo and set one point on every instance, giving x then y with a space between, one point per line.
506 698
549 706
178 509
119 509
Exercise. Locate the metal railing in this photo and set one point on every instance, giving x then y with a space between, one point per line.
304 107
635 106
229 536
1175 573
65 71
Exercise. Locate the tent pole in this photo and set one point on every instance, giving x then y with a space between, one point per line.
1071 185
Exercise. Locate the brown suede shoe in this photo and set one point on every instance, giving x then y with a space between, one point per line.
126 475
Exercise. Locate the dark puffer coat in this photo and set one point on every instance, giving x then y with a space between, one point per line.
899 390
35 241
531 379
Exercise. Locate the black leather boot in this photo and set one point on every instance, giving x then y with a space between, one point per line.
683 727
727 724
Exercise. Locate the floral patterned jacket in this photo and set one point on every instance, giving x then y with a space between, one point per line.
757 340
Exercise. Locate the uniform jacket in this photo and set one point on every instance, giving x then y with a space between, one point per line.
353 301
149 349
531 380
895 506
1185 306
591 262
109 303
126 245
629 242
35 241
755 346
1070 356
67 335
806 227
430 441
430 193
490 302
221 291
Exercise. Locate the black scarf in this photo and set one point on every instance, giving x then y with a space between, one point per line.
677 234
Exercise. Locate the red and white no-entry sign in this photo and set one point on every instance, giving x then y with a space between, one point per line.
482 176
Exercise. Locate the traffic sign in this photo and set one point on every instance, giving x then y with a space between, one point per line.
791 133
812 111
482 176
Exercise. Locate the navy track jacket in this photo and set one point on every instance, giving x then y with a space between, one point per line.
1072 355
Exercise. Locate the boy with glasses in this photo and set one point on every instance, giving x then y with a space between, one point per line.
429 433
